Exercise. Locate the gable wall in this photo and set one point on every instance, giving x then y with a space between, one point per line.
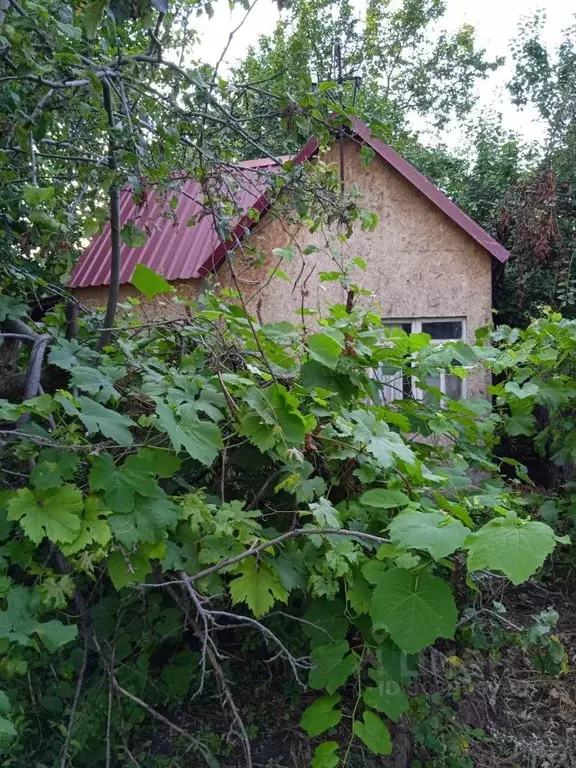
420 264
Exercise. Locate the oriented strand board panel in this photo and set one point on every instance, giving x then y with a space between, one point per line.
158 309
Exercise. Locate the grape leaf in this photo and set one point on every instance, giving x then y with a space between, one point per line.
201 439
528 390
93 381
374 734
9 411
274 417
434 532
94 527
97 418
11 308
321 715
51 512
379 439
359 594
325 349
7 730
332 665
156 462
292 568
325 755
148 522
19 623
415 608
93 16
181 556
383 498
521 420
256 431
515 547
5 705
258 586
315 375
52 468
387 697
118 489
146 280
178 675
326 621
68 354
324 514
129 569
121 484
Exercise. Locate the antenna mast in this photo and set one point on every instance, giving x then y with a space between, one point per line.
340 81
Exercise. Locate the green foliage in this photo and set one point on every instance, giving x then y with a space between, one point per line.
540 639
187 447
374 733
321 715
435 532
258 586
398 53
515 547
326 349
384 499
19 622
416 608
325 755
53 512
387 696
148 282
200 439
332 665
175 463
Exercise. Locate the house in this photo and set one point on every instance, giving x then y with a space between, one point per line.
429 265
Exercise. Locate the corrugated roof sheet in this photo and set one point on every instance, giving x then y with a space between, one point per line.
177 251
173 249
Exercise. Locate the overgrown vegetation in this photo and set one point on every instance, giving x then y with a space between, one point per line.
219 544
214 482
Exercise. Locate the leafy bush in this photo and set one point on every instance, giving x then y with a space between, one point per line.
214 477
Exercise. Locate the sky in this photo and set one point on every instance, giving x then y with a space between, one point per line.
495 21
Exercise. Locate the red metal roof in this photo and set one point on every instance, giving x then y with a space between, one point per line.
173 249
177 251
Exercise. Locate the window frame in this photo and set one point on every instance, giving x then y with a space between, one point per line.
416 327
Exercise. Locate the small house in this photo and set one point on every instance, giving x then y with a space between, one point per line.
428 264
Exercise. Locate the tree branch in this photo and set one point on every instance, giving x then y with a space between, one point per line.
115 245
79 686
368 537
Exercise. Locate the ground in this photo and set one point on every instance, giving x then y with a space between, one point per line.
478 707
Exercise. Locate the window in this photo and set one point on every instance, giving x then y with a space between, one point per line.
397 386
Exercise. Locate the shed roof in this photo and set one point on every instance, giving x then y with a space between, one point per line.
180 252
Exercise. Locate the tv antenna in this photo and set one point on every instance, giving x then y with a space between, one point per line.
341 78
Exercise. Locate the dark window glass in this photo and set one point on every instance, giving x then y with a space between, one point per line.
443 329
407 387
453 386
392 324
432 381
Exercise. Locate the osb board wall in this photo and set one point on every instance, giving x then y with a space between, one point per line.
420 264
158 309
